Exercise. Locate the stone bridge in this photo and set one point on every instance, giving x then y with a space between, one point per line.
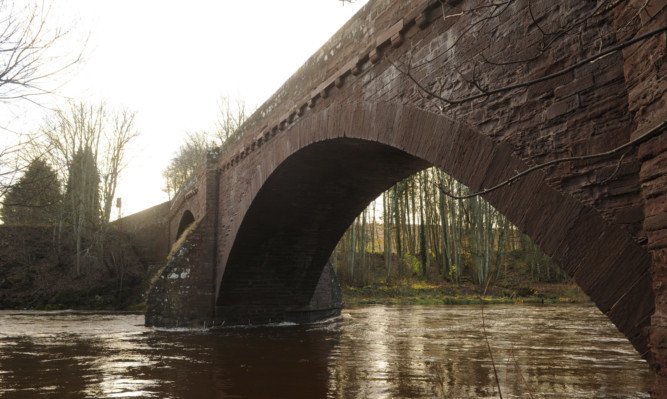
481 91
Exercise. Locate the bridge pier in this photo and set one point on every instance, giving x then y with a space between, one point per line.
178 297
181 294
325 303
184 292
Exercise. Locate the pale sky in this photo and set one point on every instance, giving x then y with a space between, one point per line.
170 61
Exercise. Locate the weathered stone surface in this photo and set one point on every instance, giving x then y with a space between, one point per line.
644 72
177 298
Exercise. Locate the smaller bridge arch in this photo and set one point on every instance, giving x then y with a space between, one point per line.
189 205
187 218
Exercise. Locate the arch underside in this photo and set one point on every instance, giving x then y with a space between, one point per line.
300 213
187 218
339 159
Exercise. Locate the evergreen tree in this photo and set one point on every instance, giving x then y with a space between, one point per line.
34 199
83 198
82 191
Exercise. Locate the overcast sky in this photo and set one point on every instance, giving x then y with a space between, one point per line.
170 61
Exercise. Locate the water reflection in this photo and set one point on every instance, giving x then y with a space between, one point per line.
373 352
424 351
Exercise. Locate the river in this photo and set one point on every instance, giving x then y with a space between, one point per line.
561 351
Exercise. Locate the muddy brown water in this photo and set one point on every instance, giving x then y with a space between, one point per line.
562 351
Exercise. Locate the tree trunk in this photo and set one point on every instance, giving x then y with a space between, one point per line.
398 228
386 205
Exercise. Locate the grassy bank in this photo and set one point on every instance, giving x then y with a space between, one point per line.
444 293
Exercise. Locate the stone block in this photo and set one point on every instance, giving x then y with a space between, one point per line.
576 86
563 107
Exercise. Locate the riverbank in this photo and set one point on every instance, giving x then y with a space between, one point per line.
445 293
38 272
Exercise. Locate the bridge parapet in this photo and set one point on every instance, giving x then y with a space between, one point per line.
353 50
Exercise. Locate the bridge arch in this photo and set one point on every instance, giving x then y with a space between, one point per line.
324 168
187 218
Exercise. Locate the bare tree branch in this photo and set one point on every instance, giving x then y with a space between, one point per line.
192 153
117 137
653 132
532 82
28 56
30 62
469 29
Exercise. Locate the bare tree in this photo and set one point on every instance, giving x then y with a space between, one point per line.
87 144
183 167
191 155
117 138
230 118
73 137
30 63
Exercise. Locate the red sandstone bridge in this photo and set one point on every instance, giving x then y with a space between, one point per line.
481 91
